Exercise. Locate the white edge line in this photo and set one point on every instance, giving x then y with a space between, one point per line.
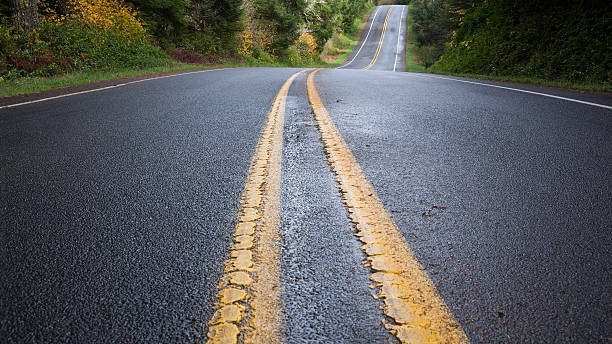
399 35
106 88
364 40
519 90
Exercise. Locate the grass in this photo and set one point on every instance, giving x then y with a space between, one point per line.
534 81
22 86
339 47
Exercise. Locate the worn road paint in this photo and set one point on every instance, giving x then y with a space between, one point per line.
380 43
416 313
249 302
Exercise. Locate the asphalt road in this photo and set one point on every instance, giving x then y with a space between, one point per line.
389 40
118 206
505 198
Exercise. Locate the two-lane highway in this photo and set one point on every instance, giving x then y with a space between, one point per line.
383 43
268 205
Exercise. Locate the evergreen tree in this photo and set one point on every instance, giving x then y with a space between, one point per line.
165 19
323 20
219 18
285 17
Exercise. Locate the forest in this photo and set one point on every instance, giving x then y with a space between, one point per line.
558 40
53 37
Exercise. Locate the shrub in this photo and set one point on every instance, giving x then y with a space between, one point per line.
92 34
255 42
559 40
307 47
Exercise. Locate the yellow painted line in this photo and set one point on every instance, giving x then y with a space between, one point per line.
380 42
416 312
248 303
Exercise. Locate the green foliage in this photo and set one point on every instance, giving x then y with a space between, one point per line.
5 9
329 17
561 40
323 21
285 17
164 19
349 14
430 28
214 25
206 26
64 47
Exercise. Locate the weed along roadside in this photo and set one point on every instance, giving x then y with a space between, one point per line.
81 42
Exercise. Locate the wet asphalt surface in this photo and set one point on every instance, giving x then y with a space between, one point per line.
393 49
118 206
505 197
325 285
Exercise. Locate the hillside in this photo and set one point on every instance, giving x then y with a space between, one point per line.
555 40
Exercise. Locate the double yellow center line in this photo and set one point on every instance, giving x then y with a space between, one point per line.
380 42
248 303
249 306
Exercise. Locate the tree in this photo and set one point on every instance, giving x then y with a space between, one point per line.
285 17
220 18
323 20
349 11
25 15
165 19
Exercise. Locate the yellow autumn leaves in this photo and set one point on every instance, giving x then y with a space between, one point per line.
99 14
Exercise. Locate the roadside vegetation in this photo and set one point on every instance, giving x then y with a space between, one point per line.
54 43
558 43
342 43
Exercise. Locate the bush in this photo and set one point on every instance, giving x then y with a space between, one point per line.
559 40
91 35
304 51
255 42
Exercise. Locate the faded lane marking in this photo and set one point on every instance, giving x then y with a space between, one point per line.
248 300
108 87
514 89
416 313
380 43
364 41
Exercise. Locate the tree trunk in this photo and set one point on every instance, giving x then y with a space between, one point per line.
25 15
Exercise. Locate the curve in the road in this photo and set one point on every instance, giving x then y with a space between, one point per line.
363 40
